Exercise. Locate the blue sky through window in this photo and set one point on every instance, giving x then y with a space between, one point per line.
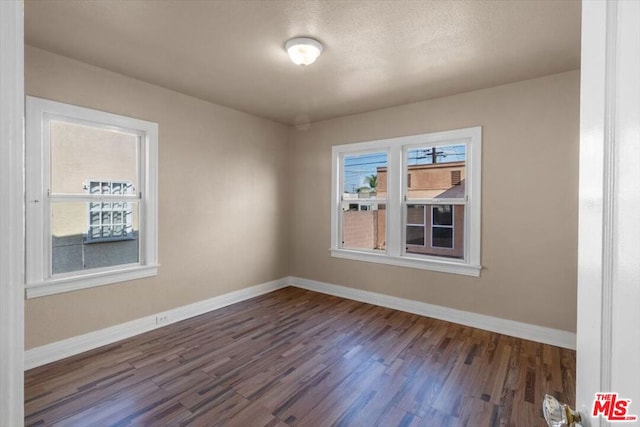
444 154
358 167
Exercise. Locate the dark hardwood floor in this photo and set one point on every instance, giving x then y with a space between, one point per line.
294 357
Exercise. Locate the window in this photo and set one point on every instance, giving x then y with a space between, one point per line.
91 198
422 199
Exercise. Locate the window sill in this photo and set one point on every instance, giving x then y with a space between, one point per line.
90 280
442 266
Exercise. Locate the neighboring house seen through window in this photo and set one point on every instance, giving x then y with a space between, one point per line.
92 197
411 201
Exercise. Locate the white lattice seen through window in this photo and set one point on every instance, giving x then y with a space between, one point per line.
110 221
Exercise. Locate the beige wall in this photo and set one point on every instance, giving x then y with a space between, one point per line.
217 166
529 203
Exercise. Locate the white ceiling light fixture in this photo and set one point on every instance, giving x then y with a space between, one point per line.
303 50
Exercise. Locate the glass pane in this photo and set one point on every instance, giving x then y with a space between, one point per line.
442 215
94 217
117 217
437 172
106 232
116 188
95 187
82 240
415 235
365 176
415 214
442 237
88 159
363 225
443 232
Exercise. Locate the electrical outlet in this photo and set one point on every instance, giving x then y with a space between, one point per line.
161 319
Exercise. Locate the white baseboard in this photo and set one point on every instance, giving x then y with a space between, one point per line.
512 328
71 346
60 349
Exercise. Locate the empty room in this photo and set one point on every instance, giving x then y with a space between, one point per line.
319 213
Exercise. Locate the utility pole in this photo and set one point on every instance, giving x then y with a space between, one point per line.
435 154
432 153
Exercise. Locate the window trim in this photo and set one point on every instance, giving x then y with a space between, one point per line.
39 279
395 201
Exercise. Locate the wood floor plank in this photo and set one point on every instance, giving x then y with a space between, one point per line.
399 417
330 409
298 358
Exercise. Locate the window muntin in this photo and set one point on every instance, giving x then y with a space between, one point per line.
84 231
423 171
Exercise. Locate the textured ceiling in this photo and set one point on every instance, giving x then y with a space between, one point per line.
376 53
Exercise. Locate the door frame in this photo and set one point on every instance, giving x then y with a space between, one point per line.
608 340
12 213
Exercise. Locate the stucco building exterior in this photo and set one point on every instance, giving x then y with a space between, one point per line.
431 229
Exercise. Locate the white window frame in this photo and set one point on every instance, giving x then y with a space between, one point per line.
39 278
395 253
